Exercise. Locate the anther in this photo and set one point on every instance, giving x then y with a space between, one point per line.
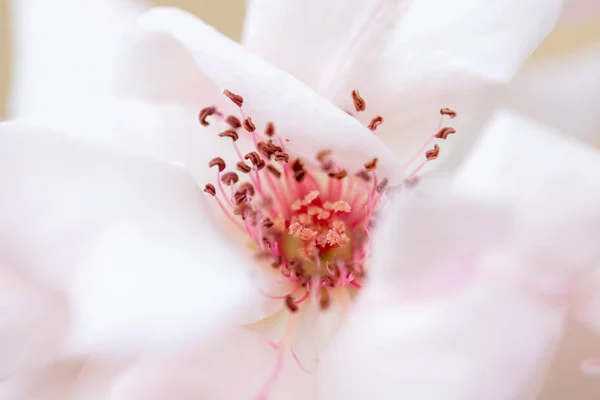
219 162
359 103
432 154
247 187
243 167
300 175
278 261
249 125
253 157
298 165
323 154
281 156
236 98
205 112
338 175
210 189
371 165
270 129
273 170
267 223
233 122
383 185
230 133
230 178
289 303
444 133
448 112
240 197
261 164
375 122
266 149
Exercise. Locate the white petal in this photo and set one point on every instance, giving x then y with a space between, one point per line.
128 239
270 94
235 367
400 54
33 322
561 92
486 342
64 53
553 182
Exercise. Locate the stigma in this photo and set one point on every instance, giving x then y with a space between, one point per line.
309 220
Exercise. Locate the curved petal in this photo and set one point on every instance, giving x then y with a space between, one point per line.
400 54
578 11
458 342
552 180
270 94
64 53
562 92
128 241
235 367
33 322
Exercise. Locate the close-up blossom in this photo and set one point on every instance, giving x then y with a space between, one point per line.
360 199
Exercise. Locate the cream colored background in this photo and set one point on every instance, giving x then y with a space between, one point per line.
226 15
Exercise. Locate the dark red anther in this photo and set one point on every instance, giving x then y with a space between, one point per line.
237 99
267 223
289 303
230 178
281 156
247 187
300 175
433 153
273 170
371 165
448 112
253 157
219 162
323 154
233 122
270 129
205 112
359 103
338 175
230 133
243 167
249 125
444 133
210 189
298 165
375 122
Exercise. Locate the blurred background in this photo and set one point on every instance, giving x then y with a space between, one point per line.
227 17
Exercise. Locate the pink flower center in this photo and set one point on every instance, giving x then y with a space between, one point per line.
310 221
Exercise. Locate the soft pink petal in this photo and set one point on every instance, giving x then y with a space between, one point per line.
578 11
402 55
129 240
562 92
64 52
553 180
307 120
235 367
33 322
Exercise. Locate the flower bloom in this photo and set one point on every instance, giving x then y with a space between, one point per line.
147 279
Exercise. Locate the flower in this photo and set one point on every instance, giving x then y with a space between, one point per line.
147 276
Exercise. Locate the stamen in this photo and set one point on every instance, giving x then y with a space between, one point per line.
237 99
450 113
219 162
371 165
273 170
270 129
243 167
375 122
249 125
210 189
433 153
233 122
444 133
230 178
359 102
206 112
230 133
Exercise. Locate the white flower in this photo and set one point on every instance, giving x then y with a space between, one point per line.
147 282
